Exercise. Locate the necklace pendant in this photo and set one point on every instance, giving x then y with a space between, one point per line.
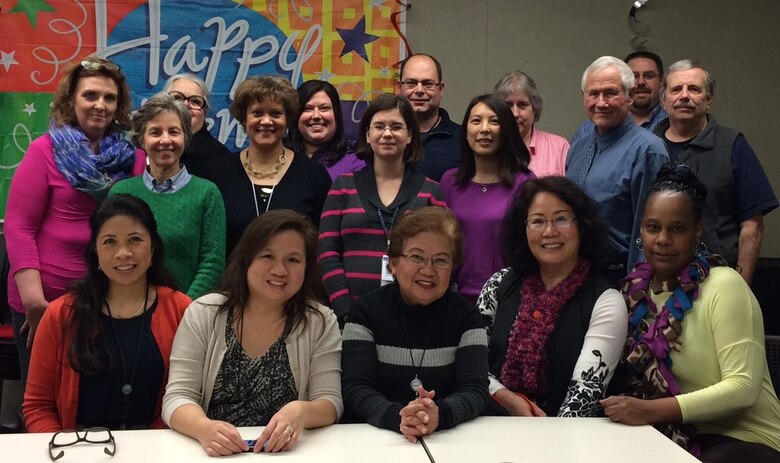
127 389
416 384
484 188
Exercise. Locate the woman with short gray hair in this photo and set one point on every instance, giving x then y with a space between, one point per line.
189 210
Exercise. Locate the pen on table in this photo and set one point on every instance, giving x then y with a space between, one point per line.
428 452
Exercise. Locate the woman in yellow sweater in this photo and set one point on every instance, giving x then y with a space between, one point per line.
696 343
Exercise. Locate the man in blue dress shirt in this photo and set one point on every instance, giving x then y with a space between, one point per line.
616 161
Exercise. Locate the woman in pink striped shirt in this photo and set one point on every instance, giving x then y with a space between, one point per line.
361 207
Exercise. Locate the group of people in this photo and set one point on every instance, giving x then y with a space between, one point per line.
424 275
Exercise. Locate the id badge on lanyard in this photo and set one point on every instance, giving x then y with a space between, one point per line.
386 275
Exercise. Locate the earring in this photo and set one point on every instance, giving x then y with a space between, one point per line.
638 243
99 269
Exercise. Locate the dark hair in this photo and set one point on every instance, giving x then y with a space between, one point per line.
659 64
383 102
86 355
61 108
259 88
255 237
433 219
334 149
406 61
513 239
676 177
512 153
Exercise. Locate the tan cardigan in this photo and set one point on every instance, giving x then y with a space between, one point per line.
199 347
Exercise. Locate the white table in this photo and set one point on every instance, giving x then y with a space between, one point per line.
553 440
342 443
484 440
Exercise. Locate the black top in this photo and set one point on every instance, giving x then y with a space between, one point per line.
100 396
303 188
249 391
204 154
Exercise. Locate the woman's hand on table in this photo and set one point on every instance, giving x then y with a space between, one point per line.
420 417
517 405
284 429
219 438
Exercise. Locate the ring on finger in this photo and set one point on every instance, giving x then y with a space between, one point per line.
289 430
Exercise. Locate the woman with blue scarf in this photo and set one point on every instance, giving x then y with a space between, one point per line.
695 351
59 183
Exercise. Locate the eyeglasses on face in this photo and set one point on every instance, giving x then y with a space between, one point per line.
68 437
194 101
427 84
100 65
558 222
438 261
394 128
649 75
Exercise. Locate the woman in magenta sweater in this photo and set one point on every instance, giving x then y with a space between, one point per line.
62 178
493 167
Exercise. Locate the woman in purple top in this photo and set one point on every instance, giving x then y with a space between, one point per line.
62 178
493 167
319 130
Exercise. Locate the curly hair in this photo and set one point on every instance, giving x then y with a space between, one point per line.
259 88
258 233
62 111
513 237
677 177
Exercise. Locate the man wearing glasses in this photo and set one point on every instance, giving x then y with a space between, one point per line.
421 83
645 105
203 151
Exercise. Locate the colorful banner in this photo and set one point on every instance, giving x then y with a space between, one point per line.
354 44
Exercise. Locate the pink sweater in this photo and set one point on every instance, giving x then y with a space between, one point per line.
47 222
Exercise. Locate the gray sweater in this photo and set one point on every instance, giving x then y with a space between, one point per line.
199 347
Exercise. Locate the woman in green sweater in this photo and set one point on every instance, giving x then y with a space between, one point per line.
189 210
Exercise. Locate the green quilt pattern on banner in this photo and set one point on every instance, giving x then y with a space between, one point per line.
25 118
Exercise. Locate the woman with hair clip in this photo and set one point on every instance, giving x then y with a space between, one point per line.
266 176
61 180
189 209
493 168
362 207
263 351
695 351
319 130
101 358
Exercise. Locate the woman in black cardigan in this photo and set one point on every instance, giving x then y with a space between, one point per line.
556 328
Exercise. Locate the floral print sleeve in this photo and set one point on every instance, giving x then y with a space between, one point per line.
487 302
598 358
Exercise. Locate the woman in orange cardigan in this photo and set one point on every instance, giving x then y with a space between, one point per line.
101 356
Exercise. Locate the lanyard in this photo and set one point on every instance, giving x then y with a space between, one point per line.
384 225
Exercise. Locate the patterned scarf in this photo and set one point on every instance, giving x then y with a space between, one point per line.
650 341
86 171
525 367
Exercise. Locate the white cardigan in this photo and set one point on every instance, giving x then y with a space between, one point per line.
199 347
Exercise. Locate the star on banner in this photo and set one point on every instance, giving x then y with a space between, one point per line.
355 39
7 60
378 4
31 8
324 75
384 71
29 109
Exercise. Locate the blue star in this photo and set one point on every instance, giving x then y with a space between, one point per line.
356 39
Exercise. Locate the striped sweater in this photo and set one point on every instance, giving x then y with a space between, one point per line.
352 237
449 346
